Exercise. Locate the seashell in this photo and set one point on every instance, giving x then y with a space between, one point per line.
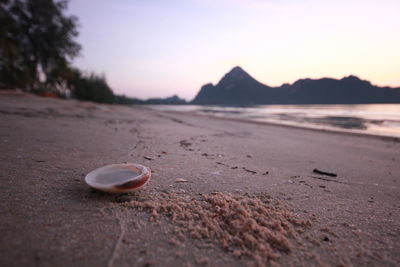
118 178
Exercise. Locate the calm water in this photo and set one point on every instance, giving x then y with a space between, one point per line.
377 119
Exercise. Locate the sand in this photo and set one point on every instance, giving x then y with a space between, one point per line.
223 192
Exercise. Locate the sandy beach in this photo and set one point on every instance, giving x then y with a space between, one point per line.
222 193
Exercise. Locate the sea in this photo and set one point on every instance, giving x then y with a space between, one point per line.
372 119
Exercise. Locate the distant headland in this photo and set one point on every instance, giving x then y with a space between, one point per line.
237 87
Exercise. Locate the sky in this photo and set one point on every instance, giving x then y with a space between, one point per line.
158 48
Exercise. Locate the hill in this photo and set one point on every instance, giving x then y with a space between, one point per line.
237 87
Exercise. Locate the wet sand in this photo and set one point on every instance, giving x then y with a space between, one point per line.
223 192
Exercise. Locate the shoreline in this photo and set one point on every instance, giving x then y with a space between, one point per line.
14 93
51 217
368 135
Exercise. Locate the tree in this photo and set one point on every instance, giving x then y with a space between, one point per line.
37 43
91 87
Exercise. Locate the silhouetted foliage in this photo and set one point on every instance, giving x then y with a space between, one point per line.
91 88
125 100
36 44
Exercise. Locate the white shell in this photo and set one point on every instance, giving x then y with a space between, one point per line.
118 178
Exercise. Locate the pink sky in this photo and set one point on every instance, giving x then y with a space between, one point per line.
157 48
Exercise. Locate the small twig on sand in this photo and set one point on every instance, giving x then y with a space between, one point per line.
119 240
325 173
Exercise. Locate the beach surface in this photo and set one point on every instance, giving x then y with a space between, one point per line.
222 193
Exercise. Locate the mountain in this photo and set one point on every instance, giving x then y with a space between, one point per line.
237 87
173 100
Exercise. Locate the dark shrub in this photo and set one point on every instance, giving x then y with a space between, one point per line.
92 88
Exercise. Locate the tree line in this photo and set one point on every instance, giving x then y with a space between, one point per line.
37 46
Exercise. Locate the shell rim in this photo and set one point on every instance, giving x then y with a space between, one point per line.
111 187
